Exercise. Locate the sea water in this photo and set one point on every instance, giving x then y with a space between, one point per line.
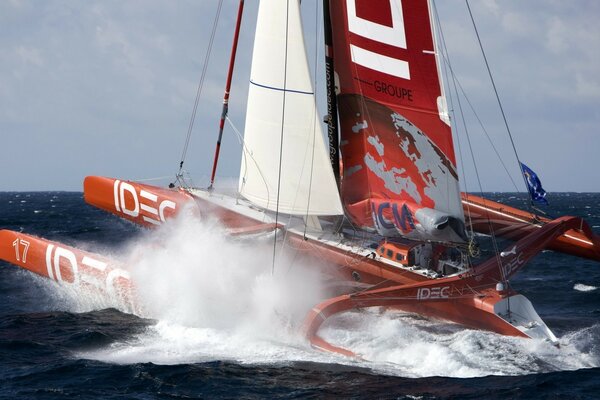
219 318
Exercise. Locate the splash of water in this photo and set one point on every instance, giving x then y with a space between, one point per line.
214 298
192 273
580 287
398 343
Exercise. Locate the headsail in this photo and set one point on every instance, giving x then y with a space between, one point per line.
282 116
399 174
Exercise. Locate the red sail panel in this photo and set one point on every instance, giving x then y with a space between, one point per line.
399 173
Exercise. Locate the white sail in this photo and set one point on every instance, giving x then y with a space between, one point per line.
282 123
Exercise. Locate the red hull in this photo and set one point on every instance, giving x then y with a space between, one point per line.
470 299
488 216
467 299
69 266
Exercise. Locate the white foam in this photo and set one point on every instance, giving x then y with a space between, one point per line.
402 344
214 298
584 288
191 273
391 344
59 297
166 344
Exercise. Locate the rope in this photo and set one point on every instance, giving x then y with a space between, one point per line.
247 153
472 250
447 67
199 90
486 133
158 178
495 244
315 116
287 18
487 65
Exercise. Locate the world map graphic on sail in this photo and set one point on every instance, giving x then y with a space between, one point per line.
400 163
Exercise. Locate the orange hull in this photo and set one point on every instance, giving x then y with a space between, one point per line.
145 205
68 266
468 299
488 216
475 312
151 206
471 298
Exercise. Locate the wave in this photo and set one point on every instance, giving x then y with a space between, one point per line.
215 298
584 288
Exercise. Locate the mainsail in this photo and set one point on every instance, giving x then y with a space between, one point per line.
399 168
285 165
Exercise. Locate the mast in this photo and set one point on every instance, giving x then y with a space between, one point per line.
227 88
332 116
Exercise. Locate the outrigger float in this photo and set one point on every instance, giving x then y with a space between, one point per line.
381 211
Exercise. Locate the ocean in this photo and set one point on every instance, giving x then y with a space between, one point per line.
216 323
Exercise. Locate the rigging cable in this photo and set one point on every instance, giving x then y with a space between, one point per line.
472 249
497 95
498 255
225 109
315 116
446 62
491 228
487 135
179 175
246 153
287 20
466 97
475 114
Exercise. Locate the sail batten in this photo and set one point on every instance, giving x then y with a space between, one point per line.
282 123
281 89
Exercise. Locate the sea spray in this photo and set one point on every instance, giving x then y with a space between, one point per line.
213 297
217 297
580 287
403 344
190 272
66 297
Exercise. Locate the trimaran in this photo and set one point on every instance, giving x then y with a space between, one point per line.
382 207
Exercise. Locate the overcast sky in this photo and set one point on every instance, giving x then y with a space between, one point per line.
107 88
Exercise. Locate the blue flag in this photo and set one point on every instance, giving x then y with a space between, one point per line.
534 185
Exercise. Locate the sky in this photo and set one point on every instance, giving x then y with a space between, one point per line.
107 88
